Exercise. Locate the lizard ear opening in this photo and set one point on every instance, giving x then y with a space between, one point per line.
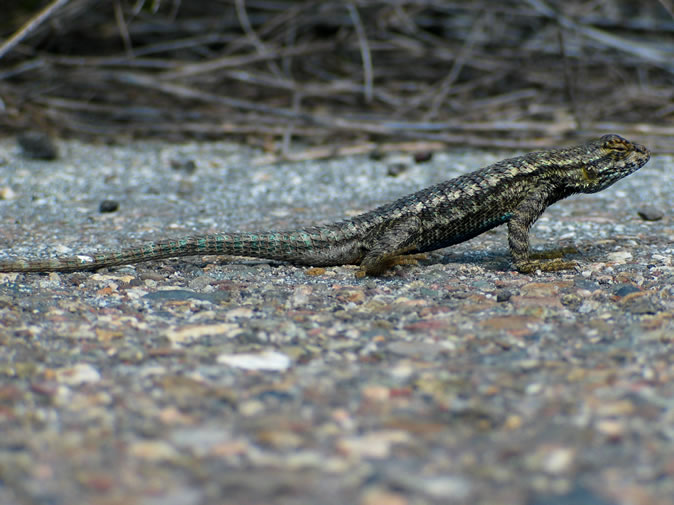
589 173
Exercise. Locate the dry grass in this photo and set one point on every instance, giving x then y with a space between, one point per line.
342 75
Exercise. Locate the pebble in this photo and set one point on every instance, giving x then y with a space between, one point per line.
395 169
37 145
503 295
6 193
153 451
76 375
383 497
187 165
375 445
625 289
266 360
108 206
190 333
650 213
576 496
423 156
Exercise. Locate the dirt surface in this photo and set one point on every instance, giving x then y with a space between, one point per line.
209 380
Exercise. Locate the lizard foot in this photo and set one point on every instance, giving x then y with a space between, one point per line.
390 262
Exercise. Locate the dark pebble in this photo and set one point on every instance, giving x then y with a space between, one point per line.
37 145
642 305
586 284
423 156
179 295
503 296
184 165
108 206
625 290
395 169
650 213
577 496
174 295
185 188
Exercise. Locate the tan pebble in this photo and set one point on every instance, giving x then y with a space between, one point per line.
376 393
153 450
513 422
612 429
315 271
381 497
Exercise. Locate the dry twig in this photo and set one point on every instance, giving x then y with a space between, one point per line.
477 73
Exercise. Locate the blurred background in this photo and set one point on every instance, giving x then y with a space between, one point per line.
286 74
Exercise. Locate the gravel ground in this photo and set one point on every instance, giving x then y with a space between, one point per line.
206 380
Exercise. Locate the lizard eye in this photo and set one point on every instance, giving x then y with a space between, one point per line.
616 143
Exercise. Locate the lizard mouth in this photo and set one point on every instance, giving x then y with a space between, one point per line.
640 155
642 150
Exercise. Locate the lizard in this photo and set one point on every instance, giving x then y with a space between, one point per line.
515 191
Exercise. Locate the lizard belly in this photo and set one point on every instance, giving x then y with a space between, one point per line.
464 233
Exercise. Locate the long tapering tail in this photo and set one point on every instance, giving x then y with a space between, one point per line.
304 246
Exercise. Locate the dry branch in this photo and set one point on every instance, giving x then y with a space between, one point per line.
348 73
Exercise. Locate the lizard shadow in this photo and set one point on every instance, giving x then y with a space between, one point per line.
491 261
496 261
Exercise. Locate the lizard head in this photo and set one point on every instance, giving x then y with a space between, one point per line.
610 158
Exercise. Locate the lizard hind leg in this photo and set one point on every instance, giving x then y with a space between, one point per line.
390 244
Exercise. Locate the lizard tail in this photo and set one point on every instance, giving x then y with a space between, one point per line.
298 246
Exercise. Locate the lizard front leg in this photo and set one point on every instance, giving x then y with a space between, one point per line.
389 243
525 215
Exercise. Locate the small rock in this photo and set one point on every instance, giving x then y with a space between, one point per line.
187 165
453 488
614 430
279 439
423 156
395 169
383 497
266 360
193 332
37 145
239 313
376 445
376 393
650 213
153 451
619 257
185 188
625 290
6 193
576 496
199 440
558 460
571 300
316 271
300 296
419 350
639 305
81 373
108 206
503 295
